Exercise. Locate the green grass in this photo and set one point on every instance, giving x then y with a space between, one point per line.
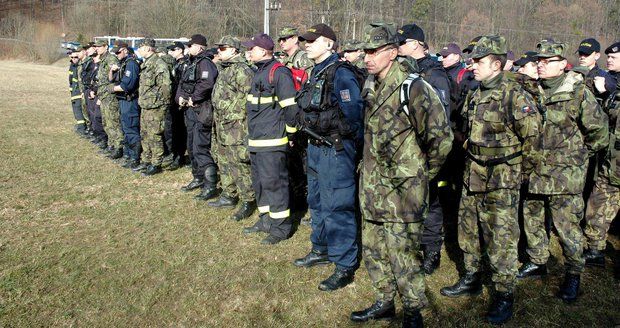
86 243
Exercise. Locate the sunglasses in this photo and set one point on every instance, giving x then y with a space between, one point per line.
222 48
74 57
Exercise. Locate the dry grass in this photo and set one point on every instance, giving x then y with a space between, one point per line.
86 243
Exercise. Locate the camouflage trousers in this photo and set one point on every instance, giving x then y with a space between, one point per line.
393 259
111 119
235 170
603 207
565 212
152 134
495 213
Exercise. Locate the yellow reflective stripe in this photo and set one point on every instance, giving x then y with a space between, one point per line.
80 122
76 97
268 142
287 102
280 215
291 129
262 100
442 183
263 209
75 80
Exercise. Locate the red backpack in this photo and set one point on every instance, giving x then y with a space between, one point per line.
299 75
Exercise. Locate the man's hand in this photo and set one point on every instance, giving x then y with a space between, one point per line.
190 103
182 102
599 84
98 102
114 68
91 95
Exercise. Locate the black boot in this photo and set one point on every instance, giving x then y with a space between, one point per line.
594 258
569 288
500 310
117 153
431 261
151 170
532 270
194 184
378 311
469 284
209 190
412 318
245 211
132 163
338 279
313 258
176 164
257 227
142 167
271 240
224 201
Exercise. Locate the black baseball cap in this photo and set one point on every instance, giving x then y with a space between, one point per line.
471 45
410 31
316 31
176 45
588 46
528 57
614 48
197 39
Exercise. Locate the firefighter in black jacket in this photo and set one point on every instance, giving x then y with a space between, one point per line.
194 96
76 93
271 115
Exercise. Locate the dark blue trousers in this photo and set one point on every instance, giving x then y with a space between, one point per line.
130 123
332 202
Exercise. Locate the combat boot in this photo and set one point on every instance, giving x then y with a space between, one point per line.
594 258
194 184
431 261
116 153
340 278
224 201
532 270
107 150
380 310
500 310
142 167
209 190
176 164
412 318
469 284
245 211
132 164
569 288
271 240
167 161
151 170
311 259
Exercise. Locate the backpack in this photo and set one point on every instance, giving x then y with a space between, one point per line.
299 75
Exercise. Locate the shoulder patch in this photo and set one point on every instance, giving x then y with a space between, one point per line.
205 75
128 73
345 95
528 109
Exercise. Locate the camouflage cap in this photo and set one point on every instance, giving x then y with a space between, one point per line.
379 34
549 48
100 43
287 31
351 45
489 45
230 41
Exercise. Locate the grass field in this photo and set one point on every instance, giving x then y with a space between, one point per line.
86 243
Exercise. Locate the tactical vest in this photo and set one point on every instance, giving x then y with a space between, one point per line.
116 79
320 112
189 79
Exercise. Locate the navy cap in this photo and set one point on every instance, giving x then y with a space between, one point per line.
410 31
176 45
471 45
198 39
588 46
528 57
261 40
614 48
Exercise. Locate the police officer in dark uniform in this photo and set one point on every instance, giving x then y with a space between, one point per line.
194 96
271 110
126 81
412 44
175 134
588 55
332 108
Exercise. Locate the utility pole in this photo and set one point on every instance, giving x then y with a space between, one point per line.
269 6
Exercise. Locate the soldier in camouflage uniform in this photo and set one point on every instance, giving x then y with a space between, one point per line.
110 111
231 129
289 43
404 147
574 128
353 53
604 203
501 125
154 100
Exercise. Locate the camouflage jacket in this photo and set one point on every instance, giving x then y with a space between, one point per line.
298 60
402 152
502 125
229 97
610 166
155 83
105 63
575 128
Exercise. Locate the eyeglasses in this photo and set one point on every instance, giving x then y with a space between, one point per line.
374 52
546 62
73 57
222 48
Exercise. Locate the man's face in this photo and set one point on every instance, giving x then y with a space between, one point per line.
485 68
195 49
256 54
101 49
450 60
588 60
288 43
613 62
529 69
353 56
176 53
74 57
317 48
81 54
122 53
379 60
408 47
91 51
226 52
551 67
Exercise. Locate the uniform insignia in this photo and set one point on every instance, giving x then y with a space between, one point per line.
527 109
127 73
205 75
345 95
615 49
